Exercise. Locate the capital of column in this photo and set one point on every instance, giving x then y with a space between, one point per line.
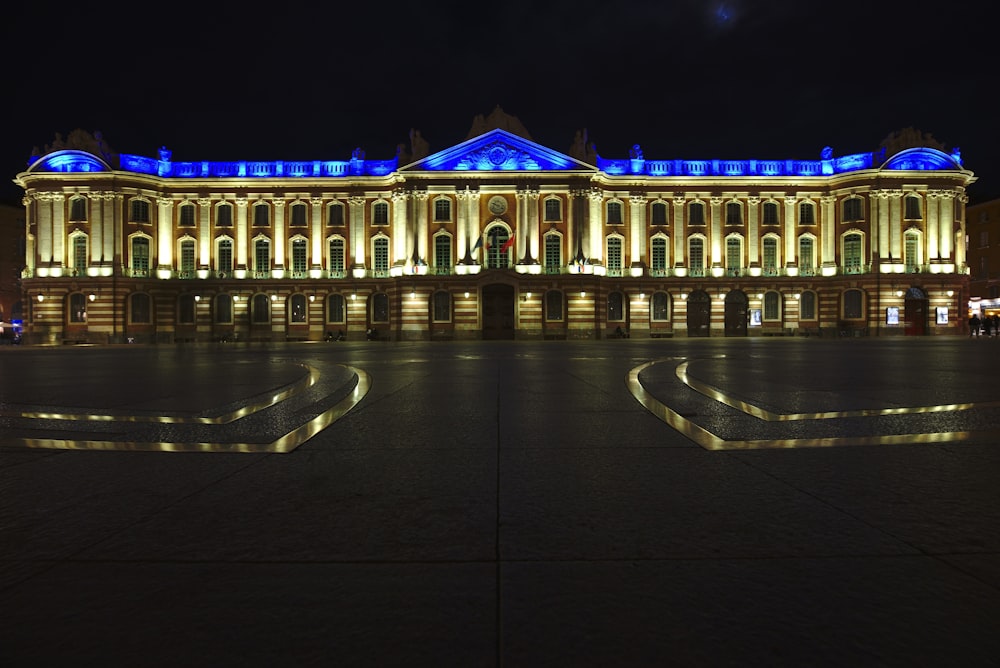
715 201
204 202
828 199
355 200
279 203
596 195
399 195
420 195
241 202
316 201
753 200
637 199
679 200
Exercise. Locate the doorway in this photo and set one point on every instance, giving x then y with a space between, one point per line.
699 313
498 312
736 313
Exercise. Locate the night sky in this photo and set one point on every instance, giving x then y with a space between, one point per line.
688 79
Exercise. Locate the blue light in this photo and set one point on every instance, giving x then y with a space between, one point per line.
922 158
70 161
496 150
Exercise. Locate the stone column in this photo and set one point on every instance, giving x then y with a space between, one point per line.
879 215
420 241
789 233
594 244
753 231
241 233
960 237
31 250
114 235
96 217
680 226
316 233
530 254
896 225
462 246
204 233
164 233
356 208
932 202
637 231
280 239
401 239
827 232
715 236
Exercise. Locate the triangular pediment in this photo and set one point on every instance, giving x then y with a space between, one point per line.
497 151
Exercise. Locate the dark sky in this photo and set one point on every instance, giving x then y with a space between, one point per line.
684 78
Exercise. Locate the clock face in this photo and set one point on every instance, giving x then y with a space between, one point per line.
497 205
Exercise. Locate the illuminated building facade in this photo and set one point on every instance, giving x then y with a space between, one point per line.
984 257
495 237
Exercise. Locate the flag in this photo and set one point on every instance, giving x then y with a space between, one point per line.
507 244
479 242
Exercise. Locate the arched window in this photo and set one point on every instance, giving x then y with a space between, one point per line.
770 214
337 262
769 259
807 305
77 308
497 248
140 256
852 210
614 213
138 211
441 306
224 215
298 309
186 267
696 213
553 306
224 257
223 309
658 256
380 256
912 208
807 213
335 215
335 308
772 306
696 256
852 253
734 256
807 256
262 258
615 260
260 309
853 305
79 254
300 248
659 307
553 253
442 254
911 251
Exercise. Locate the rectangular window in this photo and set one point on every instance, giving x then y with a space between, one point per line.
852 210
734 256
696 257
910 253
261 215
187 216
140 257
139 211
659 213
79 254
770 214
262 257
614 213
614 256
807 264
770 259
381 253
734 213
852 254
697 214
78 210
224 216
442 210
299 215
336 215
912 208
553 209
225 258
380 213
806 213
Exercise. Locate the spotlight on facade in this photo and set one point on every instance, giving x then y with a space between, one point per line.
274 298
41 297
466 294
197 298
92 296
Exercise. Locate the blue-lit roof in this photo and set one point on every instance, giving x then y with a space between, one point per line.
497 150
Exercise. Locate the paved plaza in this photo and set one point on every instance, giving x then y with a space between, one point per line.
675 502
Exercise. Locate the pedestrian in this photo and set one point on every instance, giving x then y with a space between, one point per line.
974 325
996 324
988 326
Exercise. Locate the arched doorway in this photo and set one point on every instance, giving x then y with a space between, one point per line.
915 312
736 313
699 313
498 311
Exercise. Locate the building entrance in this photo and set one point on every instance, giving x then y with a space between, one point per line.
699 313
498 311
736 313
915 312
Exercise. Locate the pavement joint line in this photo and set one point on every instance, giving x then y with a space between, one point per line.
282 445
710 441
719 395
308 380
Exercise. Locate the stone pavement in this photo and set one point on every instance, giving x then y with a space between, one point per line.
705 502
